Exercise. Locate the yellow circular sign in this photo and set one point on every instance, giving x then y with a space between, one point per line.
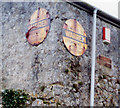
74 37
38 27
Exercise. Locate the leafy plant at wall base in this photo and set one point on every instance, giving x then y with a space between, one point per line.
14 98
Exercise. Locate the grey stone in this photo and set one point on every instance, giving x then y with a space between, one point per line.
117 86
37 102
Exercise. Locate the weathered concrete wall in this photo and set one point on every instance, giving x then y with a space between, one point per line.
0 52
46 66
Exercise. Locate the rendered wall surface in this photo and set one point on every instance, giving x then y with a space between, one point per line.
65 77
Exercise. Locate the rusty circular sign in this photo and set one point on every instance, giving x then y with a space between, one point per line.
38 27
74 37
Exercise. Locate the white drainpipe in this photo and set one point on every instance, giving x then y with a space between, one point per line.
93 59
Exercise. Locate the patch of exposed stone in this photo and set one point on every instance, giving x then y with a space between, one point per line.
107 89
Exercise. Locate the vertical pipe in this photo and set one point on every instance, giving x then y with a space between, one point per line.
93 58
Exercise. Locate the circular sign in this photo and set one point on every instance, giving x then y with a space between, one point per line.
38 27
74 37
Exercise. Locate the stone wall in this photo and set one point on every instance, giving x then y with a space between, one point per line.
49 71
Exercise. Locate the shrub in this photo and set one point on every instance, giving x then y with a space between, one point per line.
14 98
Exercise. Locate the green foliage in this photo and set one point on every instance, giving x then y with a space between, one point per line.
58 103
80 83
100 77
104 76
42 88
14 98
75 86
66 71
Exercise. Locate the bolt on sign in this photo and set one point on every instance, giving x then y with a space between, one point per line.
38 27
74 37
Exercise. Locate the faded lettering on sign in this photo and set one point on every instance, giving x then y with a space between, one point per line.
38 27
74 37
